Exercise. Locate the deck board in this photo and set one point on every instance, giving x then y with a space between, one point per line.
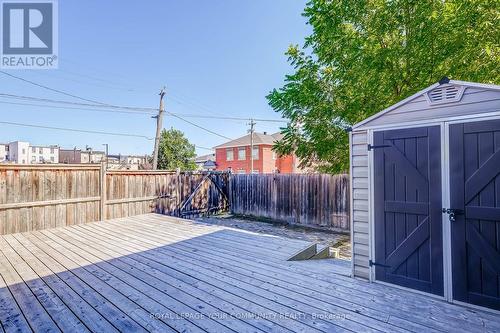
157 273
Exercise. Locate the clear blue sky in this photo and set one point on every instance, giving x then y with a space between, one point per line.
215 57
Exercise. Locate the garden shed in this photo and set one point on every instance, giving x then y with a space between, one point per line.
425 177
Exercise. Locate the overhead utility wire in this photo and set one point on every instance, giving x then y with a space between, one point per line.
196 125
78 108
138 109
51 89
75 130
109 105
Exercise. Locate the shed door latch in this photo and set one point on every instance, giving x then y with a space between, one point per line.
371 147
452 213
372 263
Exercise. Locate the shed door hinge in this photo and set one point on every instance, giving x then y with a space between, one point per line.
370 147
372 263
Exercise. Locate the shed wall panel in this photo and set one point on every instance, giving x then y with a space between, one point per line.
360 236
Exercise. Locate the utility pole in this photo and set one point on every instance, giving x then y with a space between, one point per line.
252 125
106 154
159 124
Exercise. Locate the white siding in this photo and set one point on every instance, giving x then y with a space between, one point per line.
359 174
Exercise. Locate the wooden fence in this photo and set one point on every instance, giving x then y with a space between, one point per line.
47 196
305 199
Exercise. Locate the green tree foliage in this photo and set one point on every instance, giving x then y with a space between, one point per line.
366 55
175 151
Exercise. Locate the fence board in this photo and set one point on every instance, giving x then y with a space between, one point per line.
47 196
305 199
34 198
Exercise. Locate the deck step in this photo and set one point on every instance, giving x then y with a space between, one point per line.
304 254
326 253
313 251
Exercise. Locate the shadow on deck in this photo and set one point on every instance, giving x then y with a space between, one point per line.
158 273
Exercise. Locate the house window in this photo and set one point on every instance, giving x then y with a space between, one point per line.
52 158
255 171
33 159
255 153
24 162
40 159
40 150
229 154
241 171
242 153
24 151
33 150
52 150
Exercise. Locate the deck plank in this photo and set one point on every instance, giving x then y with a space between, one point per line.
285 298
177 325
380 313
186 302
11 316
116 275
200 281
38 318
73 300
190 254
397 302
55 307
396 298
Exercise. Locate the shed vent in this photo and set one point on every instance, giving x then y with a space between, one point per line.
445 94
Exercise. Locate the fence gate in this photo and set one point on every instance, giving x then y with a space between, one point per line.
408 235
475 199
200 194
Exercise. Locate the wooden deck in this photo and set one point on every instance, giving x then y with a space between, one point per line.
156 273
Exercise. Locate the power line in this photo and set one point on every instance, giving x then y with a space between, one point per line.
78 108
142 109
110 105
51 89
201 127
201 147
75 130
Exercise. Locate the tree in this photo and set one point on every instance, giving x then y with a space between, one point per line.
175 151
364 56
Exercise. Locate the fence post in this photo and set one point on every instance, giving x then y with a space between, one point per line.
102 192
229 192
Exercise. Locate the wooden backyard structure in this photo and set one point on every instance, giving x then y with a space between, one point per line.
159 273
303 199
36 197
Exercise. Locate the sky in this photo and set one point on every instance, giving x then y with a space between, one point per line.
216 58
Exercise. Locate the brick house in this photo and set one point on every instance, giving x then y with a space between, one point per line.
235 154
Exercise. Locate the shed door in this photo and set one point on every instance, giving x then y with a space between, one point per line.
475 190
408 218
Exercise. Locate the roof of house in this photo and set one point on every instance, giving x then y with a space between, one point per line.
258 139
205 158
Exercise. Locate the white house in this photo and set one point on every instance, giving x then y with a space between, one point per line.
4 152
23 153
18 152
43 154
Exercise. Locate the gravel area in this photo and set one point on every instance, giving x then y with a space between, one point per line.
322 236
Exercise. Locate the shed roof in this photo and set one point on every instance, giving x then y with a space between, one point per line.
424 92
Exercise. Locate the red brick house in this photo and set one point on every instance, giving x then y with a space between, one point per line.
235 154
